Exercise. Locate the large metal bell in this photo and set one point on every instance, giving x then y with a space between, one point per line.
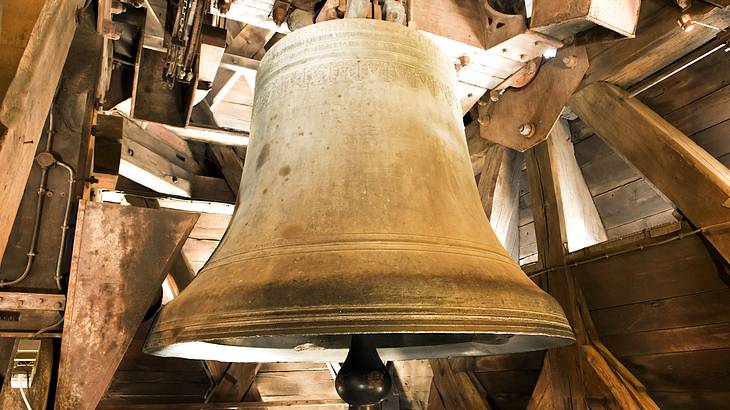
357 214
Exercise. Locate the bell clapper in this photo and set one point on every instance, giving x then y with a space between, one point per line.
363 379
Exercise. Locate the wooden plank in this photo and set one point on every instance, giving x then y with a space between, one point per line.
456 389
683 339
230 164
28 99
698 371
499 190
689 310
509 381
648 222
714 139
582 224
688 85
653 145
704 113
656 273
691 400
659 41
234 384
297 385
629 203
501 362
414 379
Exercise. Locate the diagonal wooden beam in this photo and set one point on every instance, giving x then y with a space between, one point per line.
456 389
235 383
28 95
682 170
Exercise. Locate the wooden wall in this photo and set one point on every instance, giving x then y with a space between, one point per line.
144 379
697 101
665 313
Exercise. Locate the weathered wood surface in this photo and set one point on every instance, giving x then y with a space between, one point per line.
456 389
585 372
659 41
499 189
28 98
653 145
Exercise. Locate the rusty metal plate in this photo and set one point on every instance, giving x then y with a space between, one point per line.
121 256
522 118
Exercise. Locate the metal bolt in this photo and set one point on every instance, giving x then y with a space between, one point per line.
59 305
484 120
130 152
570 61
537 43
504 51
494 96
174 179
527 130
49 194
523 56
464 60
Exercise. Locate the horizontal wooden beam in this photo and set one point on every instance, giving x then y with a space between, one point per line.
220 136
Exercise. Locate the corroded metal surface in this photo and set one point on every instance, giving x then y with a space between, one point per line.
121 256
523 118
357 213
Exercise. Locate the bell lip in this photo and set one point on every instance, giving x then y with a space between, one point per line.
210 350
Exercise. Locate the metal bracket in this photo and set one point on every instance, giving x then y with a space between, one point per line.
522 118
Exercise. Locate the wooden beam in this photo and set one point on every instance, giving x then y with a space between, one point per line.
230 164
500 192
220 136
235 383
659 41
457 390
580 222
572 376
224 82
28 99
414 379
689 176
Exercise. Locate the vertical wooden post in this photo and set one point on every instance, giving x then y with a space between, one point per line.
500 192
572 376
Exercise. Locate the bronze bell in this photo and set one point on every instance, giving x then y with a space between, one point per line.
357 214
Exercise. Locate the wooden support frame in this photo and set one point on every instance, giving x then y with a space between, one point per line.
586 373
28 98
665 156
453 390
